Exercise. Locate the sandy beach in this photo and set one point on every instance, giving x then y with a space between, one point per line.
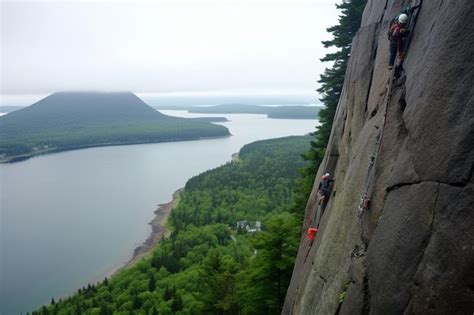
158 229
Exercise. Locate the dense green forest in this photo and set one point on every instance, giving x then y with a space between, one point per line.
70 120
208 265
282 112
332 81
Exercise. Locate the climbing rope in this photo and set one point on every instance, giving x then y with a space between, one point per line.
365 198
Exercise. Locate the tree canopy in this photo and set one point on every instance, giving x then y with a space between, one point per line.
207 265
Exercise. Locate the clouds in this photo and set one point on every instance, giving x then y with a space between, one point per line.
163 46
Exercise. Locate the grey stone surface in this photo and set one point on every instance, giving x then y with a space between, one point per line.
419 231
398 244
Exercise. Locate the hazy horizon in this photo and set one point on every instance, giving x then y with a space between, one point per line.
172 48
186 98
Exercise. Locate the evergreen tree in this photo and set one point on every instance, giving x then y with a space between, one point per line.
104 310
265 282
332 81
136 302
152 282
177 303
78 310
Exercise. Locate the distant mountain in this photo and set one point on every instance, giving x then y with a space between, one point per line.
71 120
8 109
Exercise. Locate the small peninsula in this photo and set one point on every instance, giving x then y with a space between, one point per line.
275 112
73 120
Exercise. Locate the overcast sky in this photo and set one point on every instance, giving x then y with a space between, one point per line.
163 46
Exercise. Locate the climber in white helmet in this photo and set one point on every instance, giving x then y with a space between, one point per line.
398 30
403 18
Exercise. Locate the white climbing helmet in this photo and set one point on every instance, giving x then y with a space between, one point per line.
403 18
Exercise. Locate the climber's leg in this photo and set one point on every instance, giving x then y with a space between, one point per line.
393 54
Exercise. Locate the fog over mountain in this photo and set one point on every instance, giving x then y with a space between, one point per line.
266 47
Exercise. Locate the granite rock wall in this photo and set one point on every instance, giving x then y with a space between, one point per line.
412 252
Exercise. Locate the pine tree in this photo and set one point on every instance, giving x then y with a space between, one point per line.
332 81
78 310
136 302
266 280
104 310
152 282
177 304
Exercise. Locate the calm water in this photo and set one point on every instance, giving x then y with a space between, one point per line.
71 218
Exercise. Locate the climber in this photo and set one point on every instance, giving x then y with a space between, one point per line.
397 31
324 188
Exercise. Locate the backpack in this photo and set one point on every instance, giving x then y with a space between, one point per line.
408 9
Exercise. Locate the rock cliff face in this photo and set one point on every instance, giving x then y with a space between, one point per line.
412 251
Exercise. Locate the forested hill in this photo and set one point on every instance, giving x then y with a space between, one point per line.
208 265
77 107
69 120
276 112
283 112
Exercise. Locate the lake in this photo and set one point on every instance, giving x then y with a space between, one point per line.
72 218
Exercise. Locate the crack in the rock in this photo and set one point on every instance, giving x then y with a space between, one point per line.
424 246
383 12
374 56
322 278
367 296
399 185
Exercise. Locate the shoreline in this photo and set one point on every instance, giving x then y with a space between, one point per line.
158 230
26 156
235 157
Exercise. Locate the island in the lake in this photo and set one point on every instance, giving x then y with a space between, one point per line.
211 119
277 112
72 120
